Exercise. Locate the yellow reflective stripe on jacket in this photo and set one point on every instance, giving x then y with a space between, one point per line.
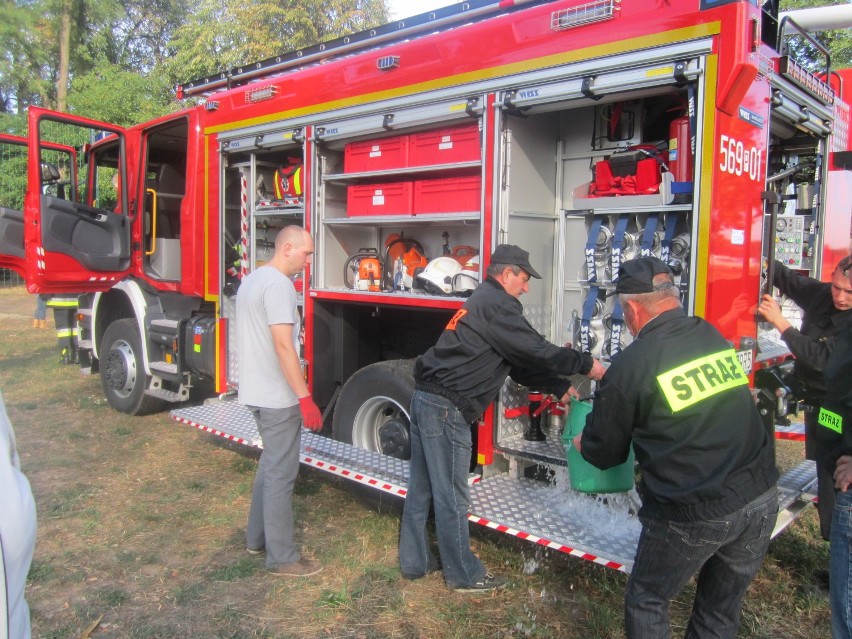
62 303
67 332
830 420
701 378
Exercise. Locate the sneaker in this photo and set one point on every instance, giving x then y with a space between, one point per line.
488 582
254 551
302 568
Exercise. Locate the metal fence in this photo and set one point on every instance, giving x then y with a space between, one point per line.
10 278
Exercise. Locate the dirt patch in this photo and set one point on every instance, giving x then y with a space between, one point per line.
142 520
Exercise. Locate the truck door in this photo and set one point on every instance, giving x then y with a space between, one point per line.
13 187
79 243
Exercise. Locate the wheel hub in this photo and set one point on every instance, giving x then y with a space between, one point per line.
394 438
382 425
120 368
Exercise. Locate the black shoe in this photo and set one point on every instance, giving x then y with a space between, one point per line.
488 582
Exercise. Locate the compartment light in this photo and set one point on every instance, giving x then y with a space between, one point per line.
259 95
584 14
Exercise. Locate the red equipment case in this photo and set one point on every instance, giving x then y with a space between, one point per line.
392 198
444 146
447 195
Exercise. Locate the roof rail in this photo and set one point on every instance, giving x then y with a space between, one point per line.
429 22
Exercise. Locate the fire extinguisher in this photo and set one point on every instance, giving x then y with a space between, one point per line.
680 150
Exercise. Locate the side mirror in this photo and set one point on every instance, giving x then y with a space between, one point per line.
49 173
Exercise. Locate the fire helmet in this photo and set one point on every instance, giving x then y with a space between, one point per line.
438 275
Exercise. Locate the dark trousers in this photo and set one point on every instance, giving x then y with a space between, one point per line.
825 480
726 552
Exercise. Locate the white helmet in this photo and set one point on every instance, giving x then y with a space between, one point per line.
468 279
438 275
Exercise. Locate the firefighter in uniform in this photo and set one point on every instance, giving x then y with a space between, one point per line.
834 434
679 395
64 317
826 307
455 381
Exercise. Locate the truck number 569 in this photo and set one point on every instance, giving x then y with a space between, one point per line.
737 159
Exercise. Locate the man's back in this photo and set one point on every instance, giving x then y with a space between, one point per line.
679 393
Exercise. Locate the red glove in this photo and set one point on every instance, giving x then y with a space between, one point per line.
311 416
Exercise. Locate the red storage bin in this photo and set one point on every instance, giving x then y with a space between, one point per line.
444 146
376 155
393 198
447 195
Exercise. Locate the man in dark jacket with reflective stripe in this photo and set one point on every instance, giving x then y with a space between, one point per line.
456 380
679 395
827 308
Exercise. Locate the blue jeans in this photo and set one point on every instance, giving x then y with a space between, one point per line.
840 578
440 459
270 521
725 552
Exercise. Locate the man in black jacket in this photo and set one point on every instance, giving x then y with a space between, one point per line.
826 309
835 430
679 395
456 380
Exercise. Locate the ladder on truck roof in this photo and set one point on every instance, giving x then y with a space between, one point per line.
424 23
602 530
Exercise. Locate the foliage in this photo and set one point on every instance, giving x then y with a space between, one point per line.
222 35
838 42
119 96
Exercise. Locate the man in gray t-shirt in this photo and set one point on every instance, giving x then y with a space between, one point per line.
274 389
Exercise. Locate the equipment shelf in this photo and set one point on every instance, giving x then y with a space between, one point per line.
392 298
453 168
282 211
627 208
409 218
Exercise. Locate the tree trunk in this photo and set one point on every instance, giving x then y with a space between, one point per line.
64 55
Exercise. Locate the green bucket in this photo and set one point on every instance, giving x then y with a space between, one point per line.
586 478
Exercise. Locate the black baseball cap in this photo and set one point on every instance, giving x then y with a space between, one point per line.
511 254
637 276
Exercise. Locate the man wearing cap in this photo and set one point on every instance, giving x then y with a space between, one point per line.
486 340
709 501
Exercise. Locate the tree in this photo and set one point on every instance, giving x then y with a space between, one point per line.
221 35
838 42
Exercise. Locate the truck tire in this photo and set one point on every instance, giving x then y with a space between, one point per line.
372 410
122 373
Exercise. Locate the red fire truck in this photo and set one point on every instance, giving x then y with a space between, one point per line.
587 132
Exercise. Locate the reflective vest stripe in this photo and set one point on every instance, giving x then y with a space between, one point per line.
701 378
68 332
62 303
830 420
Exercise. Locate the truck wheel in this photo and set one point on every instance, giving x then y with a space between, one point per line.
122 375
372 410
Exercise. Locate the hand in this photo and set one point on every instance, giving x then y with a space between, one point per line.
311 416
577 442
843 473
571 392
771 312
597 370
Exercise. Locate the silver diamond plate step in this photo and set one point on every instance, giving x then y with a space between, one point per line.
602 529
233 421
550 451
599 529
